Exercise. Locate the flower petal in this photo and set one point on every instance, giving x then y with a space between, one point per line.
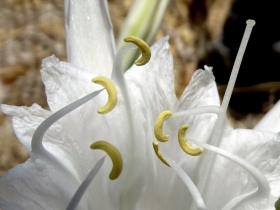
201 92
154 82
34 185
89 35
261 149
25 121
151 90
65 83
69 140
271 120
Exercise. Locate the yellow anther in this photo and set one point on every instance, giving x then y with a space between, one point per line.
114 154
112 94
184 143
158 126
145 49
158 153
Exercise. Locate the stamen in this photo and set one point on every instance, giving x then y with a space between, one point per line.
158 153
112 94
145 49
263 186
188 182
114 154
36 142
184 143
85 184
197 111
118 78
218 128
215 140
158 126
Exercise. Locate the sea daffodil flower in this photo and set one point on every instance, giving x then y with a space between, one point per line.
55 169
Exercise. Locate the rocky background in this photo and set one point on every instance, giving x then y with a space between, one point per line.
201 32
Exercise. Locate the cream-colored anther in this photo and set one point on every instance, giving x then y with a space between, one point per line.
114 154
158 153
145 49
158 126
112 94
184 143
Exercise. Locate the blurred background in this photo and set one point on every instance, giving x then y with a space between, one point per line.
202 32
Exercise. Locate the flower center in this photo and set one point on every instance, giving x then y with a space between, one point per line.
117 76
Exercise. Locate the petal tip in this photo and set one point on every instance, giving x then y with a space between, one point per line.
49 60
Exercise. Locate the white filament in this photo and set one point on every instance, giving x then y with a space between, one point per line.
218 128
188 182
83 187
197 110
263 186
118 78
109 26
215 140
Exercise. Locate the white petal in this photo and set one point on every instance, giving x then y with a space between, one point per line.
69 140
34 185
262 149
65 83
155 80
25 121
152 91
271 121
89 37
201 91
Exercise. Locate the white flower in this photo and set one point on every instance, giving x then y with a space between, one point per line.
145 182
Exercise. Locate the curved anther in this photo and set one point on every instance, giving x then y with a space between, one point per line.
158 153
112 94
114 154
145 49
184 143
158 126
